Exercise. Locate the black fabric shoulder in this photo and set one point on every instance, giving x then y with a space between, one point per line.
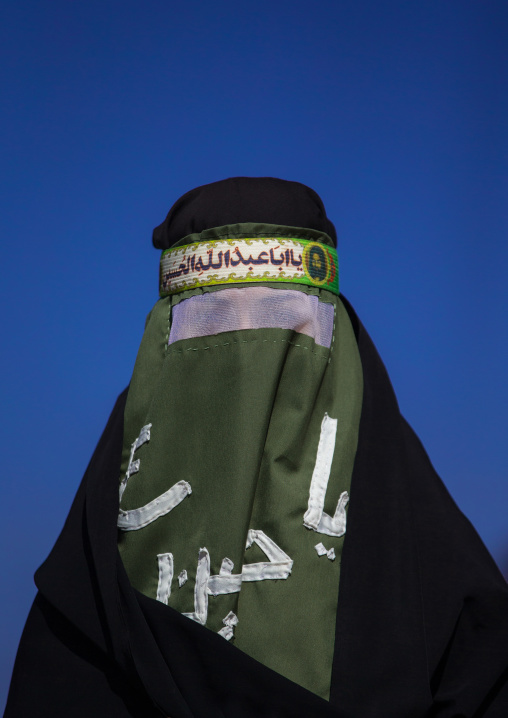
423 610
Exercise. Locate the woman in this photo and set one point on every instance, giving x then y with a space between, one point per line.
259 531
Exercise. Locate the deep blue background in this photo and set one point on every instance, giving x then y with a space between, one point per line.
395 112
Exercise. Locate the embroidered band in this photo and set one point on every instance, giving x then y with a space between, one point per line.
231 261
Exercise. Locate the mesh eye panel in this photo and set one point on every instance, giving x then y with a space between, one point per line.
252 308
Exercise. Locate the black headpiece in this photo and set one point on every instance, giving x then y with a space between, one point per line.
243 199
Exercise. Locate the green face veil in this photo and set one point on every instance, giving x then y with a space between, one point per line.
241 428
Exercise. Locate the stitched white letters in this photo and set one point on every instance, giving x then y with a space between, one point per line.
138 518
165 576
315 517
200 613
133 466
225 581
322 551
278 566
229 622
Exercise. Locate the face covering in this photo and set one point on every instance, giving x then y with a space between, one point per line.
241 428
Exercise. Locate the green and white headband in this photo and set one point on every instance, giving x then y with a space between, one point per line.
235 261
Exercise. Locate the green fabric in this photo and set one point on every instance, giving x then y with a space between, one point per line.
238 416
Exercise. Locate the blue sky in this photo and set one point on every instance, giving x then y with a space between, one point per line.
395 112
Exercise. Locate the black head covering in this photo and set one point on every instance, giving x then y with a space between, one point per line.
243 199
422 617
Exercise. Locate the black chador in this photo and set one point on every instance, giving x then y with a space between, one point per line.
259 532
